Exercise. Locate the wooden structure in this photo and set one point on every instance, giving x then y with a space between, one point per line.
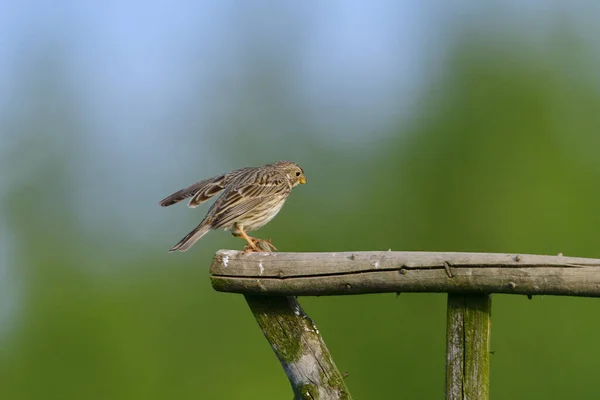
270 282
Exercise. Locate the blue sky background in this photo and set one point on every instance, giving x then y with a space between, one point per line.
147 78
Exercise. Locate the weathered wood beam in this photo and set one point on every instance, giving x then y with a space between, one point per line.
296 341
468 346
319 274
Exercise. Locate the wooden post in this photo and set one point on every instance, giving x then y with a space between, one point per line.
296 341
468 347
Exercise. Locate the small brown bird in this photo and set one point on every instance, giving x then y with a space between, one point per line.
251 198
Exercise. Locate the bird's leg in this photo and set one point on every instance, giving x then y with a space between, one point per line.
264 244
251 241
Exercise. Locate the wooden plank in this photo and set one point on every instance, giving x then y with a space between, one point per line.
320 274
284 265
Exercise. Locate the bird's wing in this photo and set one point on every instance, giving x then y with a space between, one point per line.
245 195
201 191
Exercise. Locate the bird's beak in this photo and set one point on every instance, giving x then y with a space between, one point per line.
302 180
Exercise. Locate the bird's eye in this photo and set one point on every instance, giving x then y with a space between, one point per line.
298 173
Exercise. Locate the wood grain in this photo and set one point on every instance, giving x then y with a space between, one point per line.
320 274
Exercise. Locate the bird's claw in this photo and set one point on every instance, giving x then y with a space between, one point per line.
250 249
259 245
270 245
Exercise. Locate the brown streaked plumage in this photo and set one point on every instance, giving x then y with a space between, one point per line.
251 198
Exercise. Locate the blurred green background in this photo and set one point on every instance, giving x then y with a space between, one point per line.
437 126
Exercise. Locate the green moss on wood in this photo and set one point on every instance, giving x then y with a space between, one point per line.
333 378
477 346
292 334
279 325
217 284
306 391
467 358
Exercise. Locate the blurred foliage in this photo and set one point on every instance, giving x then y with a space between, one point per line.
495 160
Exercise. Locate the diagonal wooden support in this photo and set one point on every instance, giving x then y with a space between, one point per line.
298 345
296 341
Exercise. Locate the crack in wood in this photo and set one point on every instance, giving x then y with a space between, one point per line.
444 267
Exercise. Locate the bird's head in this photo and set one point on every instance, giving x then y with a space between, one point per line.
294 173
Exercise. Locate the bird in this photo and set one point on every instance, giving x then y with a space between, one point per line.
251 197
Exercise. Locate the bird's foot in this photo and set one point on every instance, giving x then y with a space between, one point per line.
250 248
269 244
258 245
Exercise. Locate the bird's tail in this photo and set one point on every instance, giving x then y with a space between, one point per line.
191 238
